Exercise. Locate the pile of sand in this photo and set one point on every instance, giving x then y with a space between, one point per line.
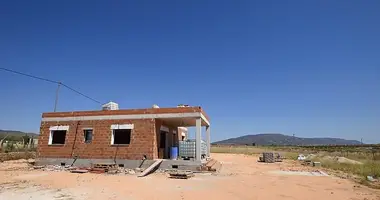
342 160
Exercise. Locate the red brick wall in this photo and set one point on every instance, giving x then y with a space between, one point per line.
143 140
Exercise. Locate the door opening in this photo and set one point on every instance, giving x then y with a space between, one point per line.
162 150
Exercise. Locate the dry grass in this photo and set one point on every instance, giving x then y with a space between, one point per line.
237 150
368 168
16 156
251 150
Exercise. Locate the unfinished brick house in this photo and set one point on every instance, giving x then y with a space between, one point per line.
118 135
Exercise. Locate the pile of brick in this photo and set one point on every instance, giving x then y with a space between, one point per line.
269 157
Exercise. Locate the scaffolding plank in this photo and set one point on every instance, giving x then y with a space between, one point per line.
150 168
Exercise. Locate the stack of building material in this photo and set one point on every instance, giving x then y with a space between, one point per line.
79 171
97 171
268 157
277 157
180 174
261 159
103 167
316 164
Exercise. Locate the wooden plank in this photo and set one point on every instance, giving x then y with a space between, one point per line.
150 168
79 171
211 163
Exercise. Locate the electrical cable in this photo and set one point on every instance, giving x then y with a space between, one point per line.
51 81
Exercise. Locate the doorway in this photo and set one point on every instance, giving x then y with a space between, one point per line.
162 152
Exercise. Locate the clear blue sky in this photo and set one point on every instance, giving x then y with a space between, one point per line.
311 68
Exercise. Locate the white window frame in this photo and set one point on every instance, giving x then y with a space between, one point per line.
56 128
120 126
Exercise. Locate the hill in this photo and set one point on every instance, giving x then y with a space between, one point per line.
15 135
280 139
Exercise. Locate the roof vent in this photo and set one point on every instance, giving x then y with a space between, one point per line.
110 106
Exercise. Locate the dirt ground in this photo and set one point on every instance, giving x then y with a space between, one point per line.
241 177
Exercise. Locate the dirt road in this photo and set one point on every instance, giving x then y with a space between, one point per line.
241 177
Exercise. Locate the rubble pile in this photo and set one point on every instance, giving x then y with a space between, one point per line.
58 168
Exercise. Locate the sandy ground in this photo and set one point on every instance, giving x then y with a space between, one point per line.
241 177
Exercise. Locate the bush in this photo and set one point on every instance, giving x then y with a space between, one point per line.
17 155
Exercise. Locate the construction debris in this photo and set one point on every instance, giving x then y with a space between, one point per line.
38 167
79 171
129 171
106 166
278 157
301 157
316 164
370 178
97 169
180 174
160 171
139 169
307 163
302 173
57 168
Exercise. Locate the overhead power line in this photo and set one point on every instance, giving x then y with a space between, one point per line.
76 91
36 77
51 81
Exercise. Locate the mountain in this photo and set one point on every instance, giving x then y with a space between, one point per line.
280 139
15 135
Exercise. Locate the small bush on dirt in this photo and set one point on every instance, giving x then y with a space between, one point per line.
16 156
10 147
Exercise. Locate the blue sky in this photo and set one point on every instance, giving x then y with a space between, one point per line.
309 68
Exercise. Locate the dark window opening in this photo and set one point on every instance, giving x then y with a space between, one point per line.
175 139
162 139
121 136
175 166
87 135
183 138
121 165
59 137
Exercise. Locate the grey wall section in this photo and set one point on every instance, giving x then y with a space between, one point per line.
131 164
181 164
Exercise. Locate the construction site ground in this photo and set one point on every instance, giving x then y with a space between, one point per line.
241 177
